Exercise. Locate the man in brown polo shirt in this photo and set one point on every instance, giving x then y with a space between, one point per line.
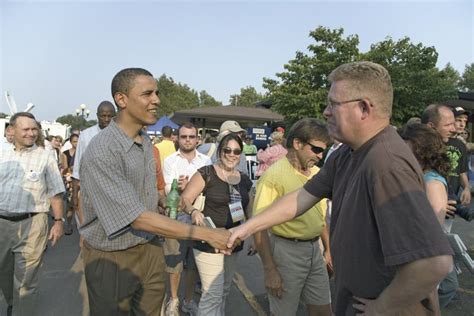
388 250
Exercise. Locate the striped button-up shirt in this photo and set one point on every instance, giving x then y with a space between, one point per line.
28 178
118 183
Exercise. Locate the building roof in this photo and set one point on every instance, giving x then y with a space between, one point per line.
213 116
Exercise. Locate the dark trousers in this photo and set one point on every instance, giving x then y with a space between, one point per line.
126 282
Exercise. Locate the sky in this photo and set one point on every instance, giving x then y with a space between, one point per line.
60 54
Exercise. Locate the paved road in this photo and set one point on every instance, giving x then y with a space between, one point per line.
63 291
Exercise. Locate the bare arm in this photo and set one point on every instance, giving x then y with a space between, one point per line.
413 282
57 230
466 192
273 281
280 211
438 198
161 225
327 249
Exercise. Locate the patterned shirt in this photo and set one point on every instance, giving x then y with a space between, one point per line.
28 178
118 183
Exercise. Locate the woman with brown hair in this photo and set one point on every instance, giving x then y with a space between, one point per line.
430 151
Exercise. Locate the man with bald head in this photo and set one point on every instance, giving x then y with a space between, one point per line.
105 114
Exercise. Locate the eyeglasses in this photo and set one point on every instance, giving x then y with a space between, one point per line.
187 136
332 104
316 149
235 151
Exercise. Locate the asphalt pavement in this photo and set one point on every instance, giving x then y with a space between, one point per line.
63 291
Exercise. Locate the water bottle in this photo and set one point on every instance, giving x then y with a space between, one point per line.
172 200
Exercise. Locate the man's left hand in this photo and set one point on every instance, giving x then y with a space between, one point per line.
466 196
56 232
366 306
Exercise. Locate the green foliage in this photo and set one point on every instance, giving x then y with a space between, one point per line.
76 122
301 90
416 80
467 79
177 96
205 100
248 97
3 115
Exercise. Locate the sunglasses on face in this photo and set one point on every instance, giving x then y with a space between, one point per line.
235 151
187 136
316 149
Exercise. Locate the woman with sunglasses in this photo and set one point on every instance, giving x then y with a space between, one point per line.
227 200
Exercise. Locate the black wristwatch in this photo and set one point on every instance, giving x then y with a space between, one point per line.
192 211
61 219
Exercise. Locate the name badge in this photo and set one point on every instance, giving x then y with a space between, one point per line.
32 176
236 211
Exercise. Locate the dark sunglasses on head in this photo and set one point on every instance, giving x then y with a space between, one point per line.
228 150
316 149
187 136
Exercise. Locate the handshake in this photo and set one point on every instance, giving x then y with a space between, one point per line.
225 241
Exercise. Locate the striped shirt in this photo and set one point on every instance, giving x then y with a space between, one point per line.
118 183
28 178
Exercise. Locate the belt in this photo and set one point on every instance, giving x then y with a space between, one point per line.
298 240
17 218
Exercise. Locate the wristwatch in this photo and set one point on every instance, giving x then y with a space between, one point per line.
61 219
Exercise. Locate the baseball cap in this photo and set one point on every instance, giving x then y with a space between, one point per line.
459 110
232 126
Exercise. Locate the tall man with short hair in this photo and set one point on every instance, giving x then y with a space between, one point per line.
182 165
105 114
30 183
380 204
293 265
442 119
123 258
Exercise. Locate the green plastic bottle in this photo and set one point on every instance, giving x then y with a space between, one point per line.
172 200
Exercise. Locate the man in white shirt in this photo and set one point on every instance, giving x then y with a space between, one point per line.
30 183
182 165
105 114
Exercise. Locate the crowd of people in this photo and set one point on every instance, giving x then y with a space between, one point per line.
351 199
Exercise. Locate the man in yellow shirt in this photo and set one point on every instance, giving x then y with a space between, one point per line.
293 264
166 146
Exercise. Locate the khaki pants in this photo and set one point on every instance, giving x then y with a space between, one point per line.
126 282
21 252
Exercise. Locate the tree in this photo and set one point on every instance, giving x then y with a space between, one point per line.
205 99
467 79
248 97
76 122
301 90
416 80
177 96
3 115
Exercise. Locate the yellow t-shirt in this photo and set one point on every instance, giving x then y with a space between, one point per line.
282 178
166 148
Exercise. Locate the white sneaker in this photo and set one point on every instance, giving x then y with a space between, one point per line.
172 307
190 307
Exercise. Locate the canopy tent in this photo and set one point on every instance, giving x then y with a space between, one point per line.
155 129
214 116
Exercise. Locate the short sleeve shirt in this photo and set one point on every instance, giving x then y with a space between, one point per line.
270 187
457 154
380 217
28 178
118 183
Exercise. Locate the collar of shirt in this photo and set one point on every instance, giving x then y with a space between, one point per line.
125 141
197 155
25 149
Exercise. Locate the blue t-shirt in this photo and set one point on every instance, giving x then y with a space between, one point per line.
433 175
